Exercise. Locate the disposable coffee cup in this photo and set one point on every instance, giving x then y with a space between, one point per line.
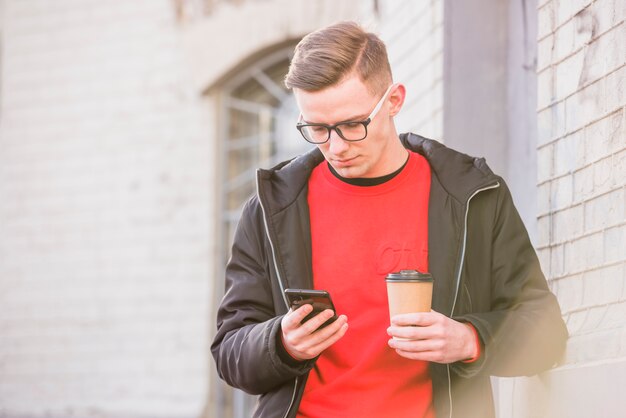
409 291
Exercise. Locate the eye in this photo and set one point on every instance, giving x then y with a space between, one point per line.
317 129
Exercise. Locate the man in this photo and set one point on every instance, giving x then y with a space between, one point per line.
367 202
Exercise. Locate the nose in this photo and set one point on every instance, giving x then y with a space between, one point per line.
337 145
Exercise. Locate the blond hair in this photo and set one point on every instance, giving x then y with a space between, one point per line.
326 56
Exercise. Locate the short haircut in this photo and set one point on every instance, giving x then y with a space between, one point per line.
327 56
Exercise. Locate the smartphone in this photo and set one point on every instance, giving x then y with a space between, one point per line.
319 299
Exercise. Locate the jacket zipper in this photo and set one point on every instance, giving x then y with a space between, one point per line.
456 293
458 277
280 281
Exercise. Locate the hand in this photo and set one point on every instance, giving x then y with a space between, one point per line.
305 341
431 336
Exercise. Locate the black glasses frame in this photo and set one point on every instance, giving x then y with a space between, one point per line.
336 127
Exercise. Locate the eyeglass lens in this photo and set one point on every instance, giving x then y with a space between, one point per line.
351 131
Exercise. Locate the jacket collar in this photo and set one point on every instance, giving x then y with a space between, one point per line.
459 174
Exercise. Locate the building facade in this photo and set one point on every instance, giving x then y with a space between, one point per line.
130 132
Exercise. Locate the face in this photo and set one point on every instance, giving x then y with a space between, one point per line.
350 100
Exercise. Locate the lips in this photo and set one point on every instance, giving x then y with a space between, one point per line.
344 162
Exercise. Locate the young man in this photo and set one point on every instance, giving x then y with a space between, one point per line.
367 202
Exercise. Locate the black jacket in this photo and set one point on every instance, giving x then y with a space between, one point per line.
485 268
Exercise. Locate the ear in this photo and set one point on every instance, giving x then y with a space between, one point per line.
396 99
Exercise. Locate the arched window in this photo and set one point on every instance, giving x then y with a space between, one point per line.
258 130
257 118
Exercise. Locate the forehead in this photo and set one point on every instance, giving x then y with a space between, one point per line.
342 101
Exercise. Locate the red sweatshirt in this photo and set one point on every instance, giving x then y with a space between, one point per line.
359 235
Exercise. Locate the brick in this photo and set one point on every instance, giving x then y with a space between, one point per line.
580 5
583 184
619 169
544 231
602 286
544 126
603 56
622 273
585 28
604 211
615 96
615 318
541 4
568 75
604 137
551 123
568 223
593 322
574 322
614 244
557 261
567 154
545 52
589 344
391 10
561 195
543 198
569 292
545 20
545 156
564 10
545 89
584 253
603 175
607 14
584 106
564 39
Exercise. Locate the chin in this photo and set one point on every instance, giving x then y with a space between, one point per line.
349 172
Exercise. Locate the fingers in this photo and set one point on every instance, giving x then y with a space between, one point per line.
317 321
442 340
426 350
305 346
308 340
416 346
413 332
418 319
293 319
432 356
326 337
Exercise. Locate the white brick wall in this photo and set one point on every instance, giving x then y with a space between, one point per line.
413 32
582 182
104 214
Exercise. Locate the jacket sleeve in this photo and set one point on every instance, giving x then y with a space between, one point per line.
523 332
246 346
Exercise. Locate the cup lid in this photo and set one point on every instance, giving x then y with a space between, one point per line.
409 276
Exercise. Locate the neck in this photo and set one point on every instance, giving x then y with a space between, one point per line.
397 156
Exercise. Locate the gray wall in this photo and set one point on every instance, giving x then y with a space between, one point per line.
490 90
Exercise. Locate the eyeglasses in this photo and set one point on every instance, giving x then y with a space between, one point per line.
352 131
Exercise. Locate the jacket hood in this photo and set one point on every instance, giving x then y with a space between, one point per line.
459 174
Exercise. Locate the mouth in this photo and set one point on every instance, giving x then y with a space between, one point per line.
344 162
